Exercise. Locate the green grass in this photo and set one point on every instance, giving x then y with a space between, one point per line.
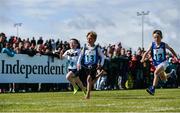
165 100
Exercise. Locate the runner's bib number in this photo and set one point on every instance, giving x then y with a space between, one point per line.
90 57
158 54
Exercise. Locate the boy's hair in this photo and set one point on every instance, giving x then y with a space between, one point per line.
92 34
2 35
158 32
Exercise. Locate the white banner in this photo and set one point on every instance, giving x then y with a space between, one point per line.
37 69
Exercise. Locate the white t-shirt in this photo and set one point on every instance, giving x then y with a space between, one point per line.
72 57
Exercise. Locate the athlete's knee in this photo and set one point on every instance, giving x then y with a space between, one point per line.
156 74
89 79
68 76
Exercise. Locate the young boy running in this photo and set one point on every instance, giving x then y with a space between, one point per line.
158 54
88 61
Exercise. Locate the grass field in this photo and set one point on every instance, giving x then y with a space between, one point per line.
165 100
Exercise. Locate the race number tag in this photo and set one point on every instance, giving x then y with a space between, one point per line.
90 56
158 54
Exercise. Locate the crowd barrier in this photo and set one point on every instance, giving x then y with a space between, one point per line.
22 68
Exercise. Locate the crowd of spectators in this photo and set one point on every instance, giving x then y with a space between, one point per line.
125 69
33 47
123 66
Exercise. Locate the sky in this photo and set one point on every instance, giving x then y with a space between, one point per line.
114 21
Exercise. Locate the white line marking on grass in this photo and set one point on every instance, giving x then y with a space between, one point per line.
163 109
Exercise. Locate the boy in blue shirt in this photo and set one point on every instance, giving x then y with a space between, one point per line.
158 54
90 59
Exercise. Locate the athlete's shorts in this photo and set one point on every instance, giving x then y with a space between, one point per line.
164 64
73 70
85 71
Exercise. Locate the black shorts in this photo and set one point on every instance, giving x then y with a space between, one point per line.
73 70
85 71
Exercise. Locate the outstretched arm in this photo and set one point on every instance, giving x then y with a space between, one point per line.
172 51
62 55
145 54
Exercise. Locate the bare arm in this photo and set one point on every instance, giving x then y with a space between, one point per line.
62 55
145 54
102 56
171 50
79 60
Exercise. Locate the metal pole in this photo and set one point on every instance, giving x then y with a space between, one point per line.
17 32
142 14
17 25
142 31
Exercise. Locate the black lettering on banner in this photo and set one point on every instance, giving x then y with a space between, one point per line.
9 67
3 66
34 69
18 68
46 69
52 69
40 69
58 70
28 70
62 69
21 69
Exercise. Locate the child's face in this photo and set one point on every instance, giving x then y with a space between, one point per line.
90 40
157 38
1 39
72 44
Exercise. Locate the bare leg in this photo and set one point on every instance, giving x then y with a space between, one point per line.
39 86
163 77
13 90
10 87
169 74
89 86
158 72
80 84
69 77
